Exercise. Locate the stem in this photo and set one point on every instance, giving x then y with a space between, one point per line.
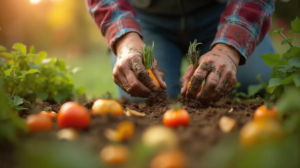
16 84
12 94
176 106
285 39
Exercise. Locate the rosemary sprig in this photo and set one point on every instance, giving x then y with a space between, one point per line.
148 57
193 54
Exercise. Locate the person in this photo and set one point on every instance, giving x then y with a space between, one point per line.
230 33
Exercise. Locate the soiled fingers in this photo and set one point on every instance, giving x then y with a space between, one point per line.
185 79
209 92
196 82
141 73
158 73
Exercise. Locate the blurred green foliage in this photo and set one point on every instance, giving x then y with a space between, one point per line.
48 152
49 80
10 123
286 68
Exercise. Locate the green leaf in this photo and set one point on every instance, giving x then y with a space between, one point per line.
287 80
242 94
271 59
32 50
289 101
285 68
20 47
21 74
59 97
277 31
17 101
274 82
287 40
42 55
18 108
2 48
31 71
297 80
42 95
295 61
7 54
254 89
276 93
27 102
295 25
8 71
292 52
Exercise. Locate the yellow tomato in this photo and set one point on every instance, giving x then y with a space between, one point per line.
260 131
169 159
114 154
103 106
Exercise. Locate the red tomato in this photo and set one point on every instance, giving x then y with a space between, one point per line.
264 112
51 114
175 118
39 123
73 115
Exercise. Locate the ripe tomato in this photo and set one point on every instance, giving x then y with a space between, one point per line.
260 131
176 117
51 114
264 112
73 115
125 130
169 159
39 123
103 106
114 154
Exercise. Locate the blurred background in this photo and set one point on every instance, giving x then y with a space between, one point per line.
64 29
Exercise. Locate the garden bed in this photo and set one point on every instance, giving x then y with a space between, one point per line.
196 139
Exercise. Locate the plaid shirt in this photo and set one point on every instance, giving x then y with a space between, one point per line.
243 24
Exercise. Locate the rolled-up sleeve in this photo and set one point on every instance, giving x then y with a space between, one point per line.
114 19
244 24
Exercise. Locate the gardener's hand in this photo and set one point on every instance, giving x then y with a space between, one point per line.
218 68
129 72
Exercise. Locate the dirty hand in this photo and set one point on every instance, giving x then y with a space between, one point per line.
218 68
129 72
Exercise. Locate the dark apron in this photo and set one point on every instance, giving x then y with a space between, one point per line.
172 7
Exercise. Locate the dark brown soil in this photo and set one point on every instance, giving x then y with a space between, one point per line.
196 139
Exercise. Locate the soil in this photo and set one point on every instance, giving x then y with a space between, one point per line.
196 139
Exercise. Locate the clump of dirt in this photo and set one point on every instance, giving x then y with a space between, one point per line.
157 98
192 103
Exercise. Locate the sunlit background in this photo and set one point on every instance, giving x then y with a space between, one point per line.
65 29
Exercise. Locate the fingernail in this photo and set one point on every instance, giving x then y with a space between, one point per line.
165 83
181 90
154 88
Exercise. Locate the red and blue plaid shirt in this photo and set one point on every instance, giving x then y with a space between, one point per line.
243 24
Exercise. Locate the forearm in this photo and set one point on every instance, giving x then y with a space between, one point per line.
243 25
131 42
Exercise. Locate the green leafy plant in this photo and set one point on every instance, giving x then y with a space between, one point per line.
252 91
49 80
10 123
286 67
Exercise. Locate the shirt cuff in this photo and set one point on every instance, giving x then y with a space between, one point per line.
120 28
237 37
